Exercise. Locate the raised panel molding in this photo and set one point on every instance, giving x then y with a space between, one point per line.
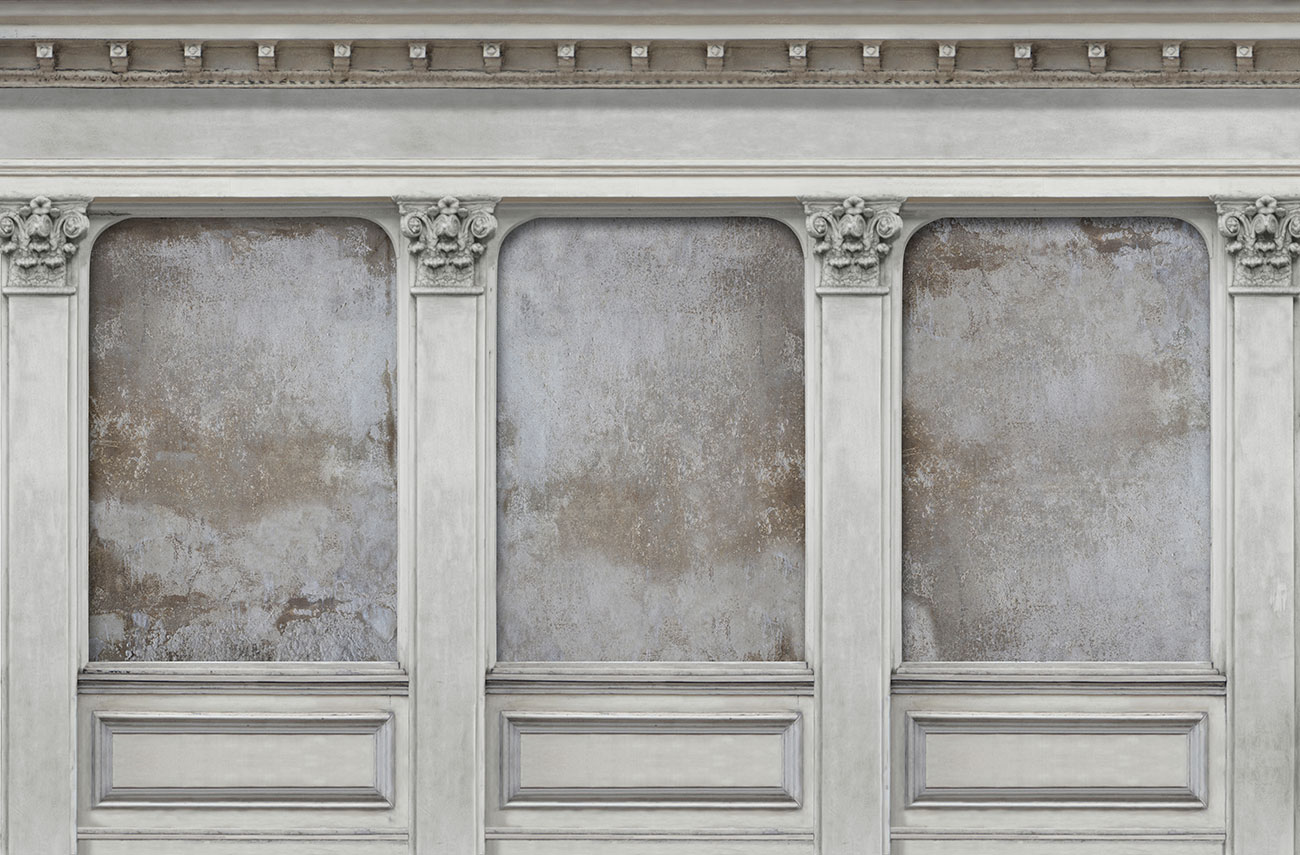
318 733
778 747
1029 728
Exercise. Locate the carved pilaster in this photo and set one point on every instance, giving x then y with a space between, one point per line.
36 241
446 239
851 238
1263 240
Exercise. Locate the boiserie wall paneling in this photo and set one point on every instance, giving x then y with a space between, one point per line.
850 730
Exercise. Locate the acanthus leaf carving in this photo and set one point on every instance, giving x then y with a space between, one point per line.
1263 240
38 239
447 239
851 238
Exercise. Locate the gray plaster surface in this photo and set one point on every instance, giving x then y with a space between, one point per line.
650 441
1056 441
243 501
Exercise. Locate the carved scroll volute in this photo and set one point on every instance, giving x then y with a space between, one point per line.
37 240
446 240
851 238
1263 241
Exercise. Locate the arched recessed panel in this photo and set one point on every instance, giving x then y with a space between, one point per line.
1056 441
650 441
243 499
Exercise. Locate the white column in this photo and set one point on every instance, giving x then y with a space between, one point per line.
41 272
1262 675
445 239
850 242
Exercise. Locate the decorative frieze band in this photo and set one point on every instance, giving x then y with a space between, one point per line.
36 241
1263 241
851 238
445 240
795 59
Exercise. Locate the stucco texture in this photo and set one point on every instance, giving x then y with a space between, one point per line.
1056 441
650 441
243 501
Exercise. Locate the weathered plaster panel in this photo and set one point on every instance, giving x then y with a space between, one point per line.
1056 445
650 441
243 501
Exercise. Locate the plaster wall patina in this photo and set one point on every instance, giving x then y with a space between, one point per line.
243 500
1056 441
650 441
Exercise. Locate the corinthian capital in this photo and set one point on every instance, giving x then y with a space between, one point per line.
446 239
1263 242
38 239
851 237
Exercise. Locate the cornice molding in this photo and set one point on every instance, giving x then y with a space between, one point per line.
585 17
37 239
850 239
1263 241
348 59
446 239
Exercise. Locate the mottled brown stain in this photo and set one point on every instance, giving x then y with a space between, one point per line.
243 441
1056 448
650 441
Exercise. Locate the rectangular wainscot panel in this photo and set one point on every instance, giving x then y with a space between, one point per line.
968 759
650 759
1058 766
243 760
605 773
243 769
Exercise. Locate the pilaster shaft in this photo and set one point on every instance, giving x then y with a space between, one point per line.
446 242
40 273
850 242
1260 246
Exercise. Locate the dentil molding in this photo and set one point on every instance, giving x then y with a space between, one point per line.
38 239
850 239
1263 241
348 58
445 240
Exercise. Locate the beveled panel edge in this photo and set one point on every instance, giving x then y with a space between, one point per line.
242 835
918 724
661 678
787 724
615 835
243 678
1059 678
107 724
1116 835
